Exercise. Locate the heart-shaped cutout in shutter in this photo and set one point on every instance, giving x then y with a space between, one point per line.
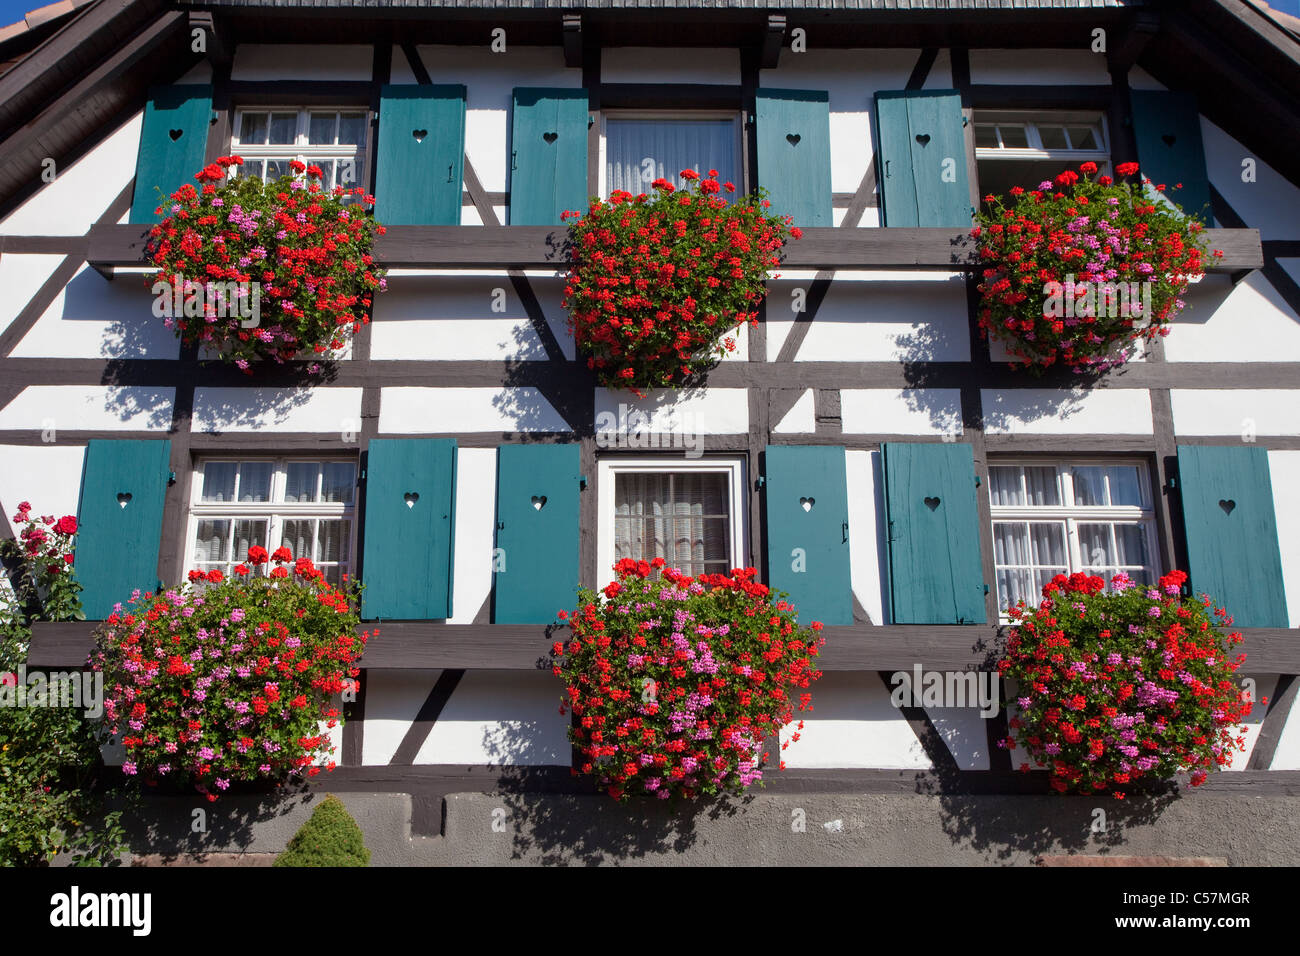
175 134
932 503
123 498
539 502
1227 504
550 137
793 138
1169 139
411 497
923 138
807 503
419 134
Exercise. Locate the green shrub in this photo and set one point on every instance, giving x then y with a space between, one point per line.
330 837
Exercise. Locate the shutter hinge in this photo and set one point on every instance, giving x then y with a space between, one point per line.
171 477
501 525
760 481
582 482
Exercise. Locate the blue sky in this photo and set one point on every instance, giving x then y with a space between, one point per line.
11 11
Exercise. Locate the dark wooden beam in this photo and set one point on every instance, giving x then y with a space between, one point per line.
1125 47
773 36
571 24
218 51
531 247
433 645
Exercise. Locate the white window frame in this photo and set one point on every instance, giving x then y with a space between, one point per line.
1073 515
682 115
300 149
1030 120
607 470
275 511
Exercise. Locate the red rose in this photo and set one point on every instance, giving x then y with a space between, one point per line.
66 525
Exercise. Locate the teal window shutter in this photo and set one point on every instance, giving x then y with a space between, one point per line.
921 158
807 506
548 155
793 129
1232 543
935 572
173 143
119 518
536 561
1170 151
420 161
410 528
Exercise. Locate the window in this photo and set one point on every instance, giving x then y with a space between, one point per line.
333 139
306 505
1054 518
638 148
690 513
1023 149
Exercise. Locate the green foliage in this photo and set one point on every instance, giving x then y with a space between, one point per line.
51 795
330 837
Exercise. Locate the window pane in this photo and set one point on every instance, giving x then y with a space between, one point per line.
1083 137
339 481
1048 541
986 134
219 481
320 129
255 481
1041 485
1010 542
352 128
332 541
1053 137
1125 486
1089 488
252 167
326 173
351 172
247 534
1131 545
284 129
300 481
1015 586
212 542
664 515
297 537
1004 485
1013 137
640 151
252 128
275 168
1095 546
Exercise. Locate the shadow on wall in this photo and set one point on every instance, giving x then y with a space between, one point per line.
133 331
176 829
533 388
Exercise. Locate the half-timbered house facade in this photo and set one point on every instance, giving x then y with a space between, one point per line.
863 447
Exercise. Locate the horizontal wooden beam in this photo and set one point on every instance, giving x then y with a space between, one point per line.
531 247
432 645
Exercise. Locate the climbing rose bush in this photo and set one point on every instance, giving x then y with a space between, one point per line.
1077 270
1119 686
297 251
230 679
658 282
676 682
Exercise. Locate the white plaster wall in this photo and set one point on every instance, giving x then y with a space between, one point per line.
1046 411
1226 323
1270 204
1210 411
277 409
1287 754
1265 687
880 318
93 317
965 734
47 476
852 724
494 717
489 79
1040 67
21 277
81 192
704 411
867 559
801 418
501 718
476 487
90 408
1284 476
420 409
302 61
901 411
631 64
